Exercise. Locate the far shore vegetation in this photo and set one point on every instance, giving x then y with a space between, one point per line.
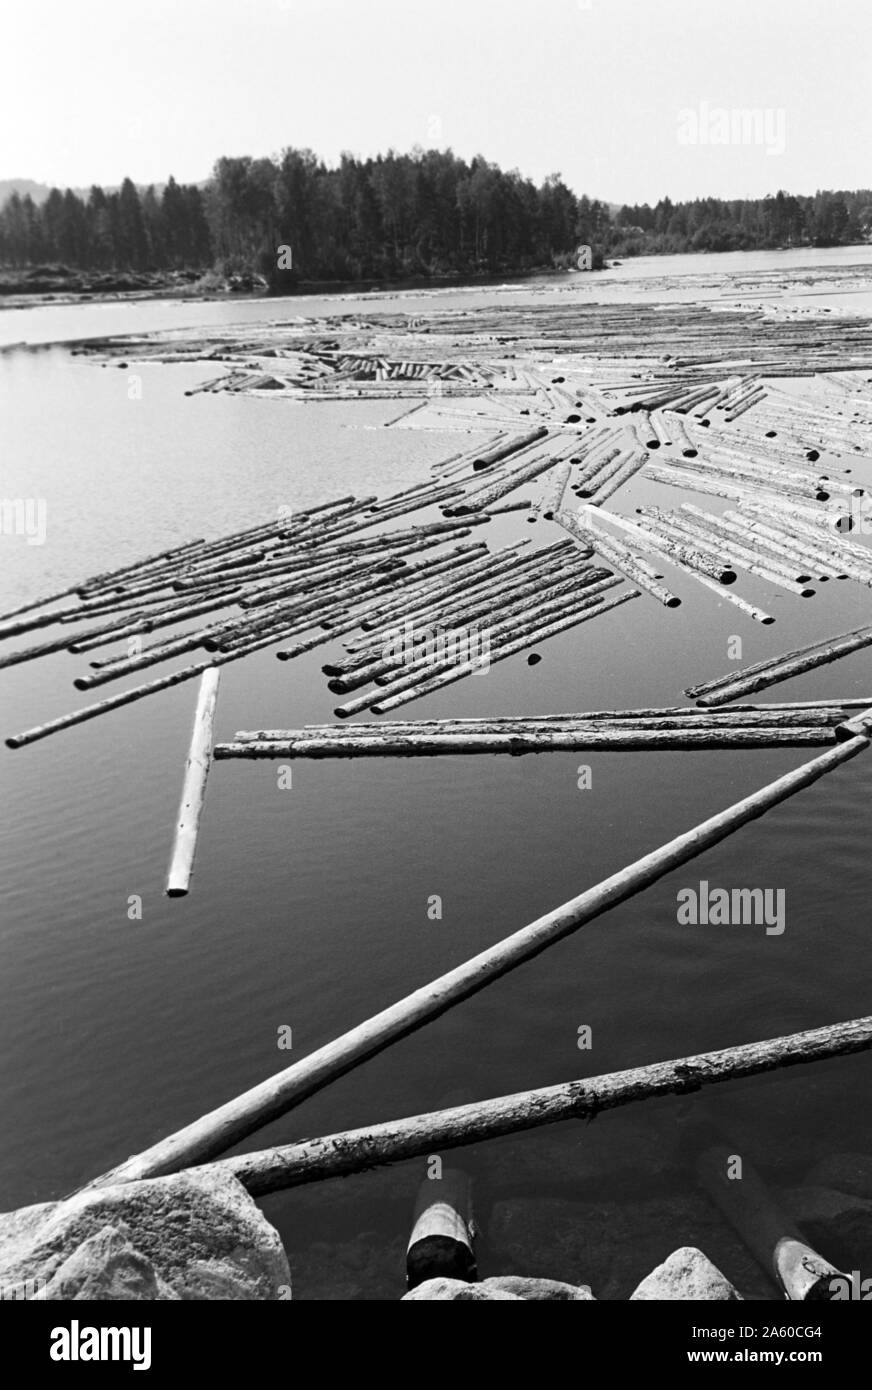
427 215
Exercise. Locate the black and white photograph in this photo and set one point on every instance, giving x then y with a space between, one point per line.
436 671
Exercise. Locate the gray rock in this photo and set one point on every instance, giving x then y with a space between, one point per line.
689 1275
192 1236
539 1290
455 1291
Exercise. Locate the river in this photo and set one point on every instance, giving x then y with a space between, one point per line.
310 904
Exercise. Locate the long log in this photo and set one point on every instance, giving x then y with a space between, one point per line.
517 743
194 787
832 652
392 1141
718 682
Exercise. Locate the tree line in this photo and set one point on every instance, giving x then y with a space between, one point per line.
424 214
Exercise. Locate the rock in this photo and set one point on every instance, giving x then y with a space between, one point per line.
192 1236
455 1291
539 1290
846 1172
688 1275
837 1224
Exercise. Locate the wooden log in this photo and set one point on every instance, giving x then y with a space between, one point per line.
702 524
511 599
620 556
628 469
526 628
441 1243
377 620
842 552
830 713
194 787
393 1141
686 530
769 1233
511 446
582 612
771 543
747 684
483 497
139 692
516 744
554 498
663 544
599 468
693 692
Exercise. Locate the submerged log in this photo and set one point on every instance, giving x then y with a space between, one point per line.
769 1233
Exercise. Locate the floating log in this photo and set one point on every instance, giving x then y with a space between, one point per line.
554 499
478 501
127 697
194 787
618 555
512 446
581 612
416 745
664 544
339 1155
763 675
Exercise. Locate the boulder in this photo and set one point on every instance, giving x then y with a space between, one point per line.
687 1275
195 1235
539 1290
455 1291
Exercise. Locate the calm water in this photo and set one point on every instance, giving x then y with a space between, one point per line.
309 906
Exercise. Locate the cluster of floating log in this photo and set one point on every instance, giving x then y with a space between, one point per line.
732 355
318 575
681 727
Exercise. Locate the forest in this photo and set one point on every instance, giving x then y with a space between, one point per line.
428 214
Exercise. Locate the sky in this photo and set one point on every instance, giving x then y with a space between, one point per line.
629 100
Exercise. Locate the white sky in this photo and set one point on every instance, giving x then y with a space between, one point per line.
92 90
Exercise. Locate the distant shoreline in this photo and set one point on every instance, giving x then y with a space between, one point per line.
24 289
